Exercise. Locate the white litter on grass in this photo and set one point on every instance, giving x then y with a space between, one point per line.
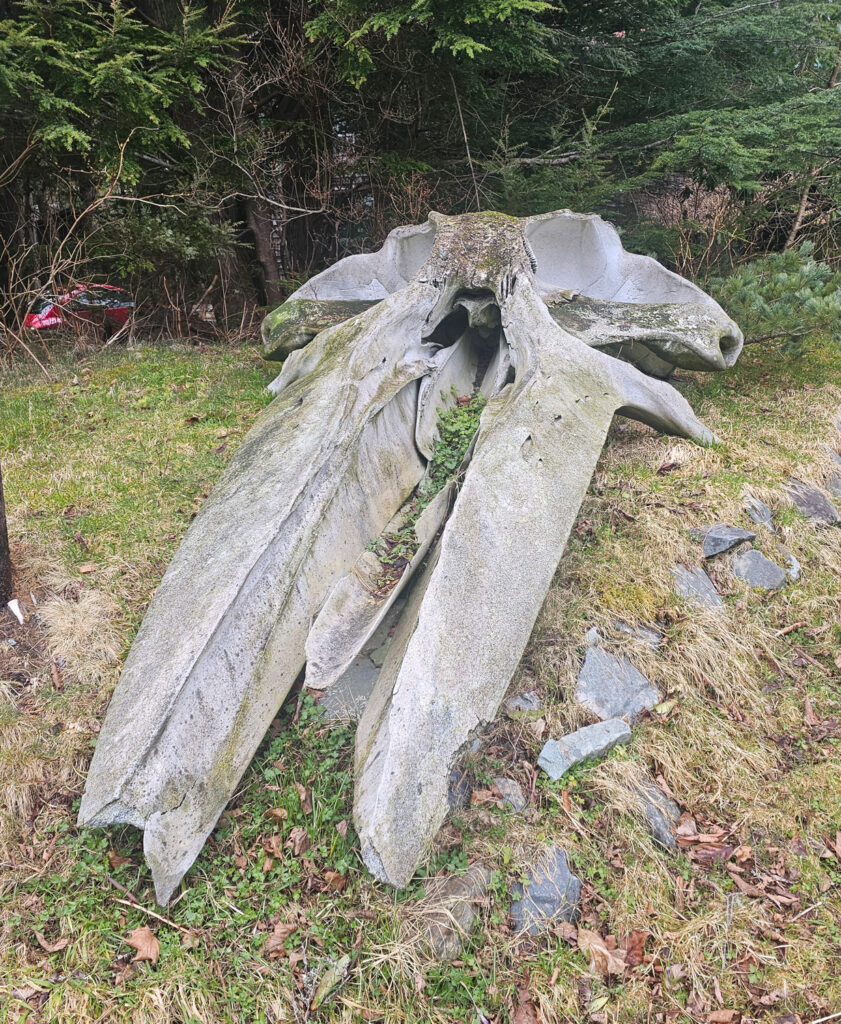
14 608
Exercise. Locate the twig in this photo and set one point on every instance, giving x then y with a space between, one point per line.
811 660
151 913
467 146
822 1020
134 902
790 629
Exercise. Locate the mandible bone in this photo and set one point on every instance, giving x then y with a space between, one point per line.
560 329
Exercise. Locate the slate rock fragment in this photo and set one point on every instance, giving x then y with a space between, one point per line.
760 513
758 571
512 793
558 756
813 503
696 586
523 705
551 893
612 687
449 909
721 538
833 478
793 567
661 814
647 635
458 790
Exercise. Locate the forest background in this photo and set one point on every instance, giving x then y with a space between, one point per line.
211 157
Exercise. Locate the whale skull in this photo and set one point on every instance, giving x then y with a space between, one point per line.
560 329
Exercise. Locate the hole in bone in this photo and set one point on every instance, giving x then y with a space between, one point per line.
471 354
526 448
559 417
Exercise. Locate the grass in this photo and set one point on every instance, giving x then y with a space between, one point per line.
104 469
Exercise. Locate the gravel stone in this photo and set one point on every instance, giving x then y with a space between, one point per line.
512 794
552 892
558 756
696 586
721 538
813 503
758 571
611 687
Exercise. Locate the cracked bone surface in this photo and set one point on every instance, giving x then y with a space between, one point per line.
554 323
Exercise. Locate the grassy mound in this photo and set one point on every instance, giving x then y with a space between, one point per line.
104 469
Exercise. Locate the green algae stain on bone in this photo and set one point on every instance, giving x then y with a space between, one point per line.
294 324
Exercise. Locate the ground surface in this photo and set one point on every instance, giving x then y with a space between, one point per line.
104 469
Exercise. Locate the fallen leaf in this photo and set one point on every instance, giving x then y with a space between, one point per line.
274 945
809 716
24 993
273 845
335 880
525 1012
116 861
480 797
634 949
268 864
724 1017
305 798
144 941
87 567
537 728
331 978
298 841
341 828
602 959
190 939
51 947
277 813
125 973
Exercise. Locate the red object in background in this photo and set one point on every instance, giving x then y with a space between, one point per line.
102 304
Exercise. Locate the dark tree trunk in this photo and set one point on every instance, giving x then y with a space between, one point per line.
260 225
5 554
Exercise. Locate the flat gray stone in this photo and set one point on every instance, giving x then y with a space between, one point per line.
551 893
758 571
721 538
558 756
647 635
521 702
813 503
448 910
611 687
512 793
661 814
833 478
760 513
696 586
793 567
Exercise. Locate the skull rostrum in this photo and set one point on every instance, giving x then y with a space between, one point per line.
560 329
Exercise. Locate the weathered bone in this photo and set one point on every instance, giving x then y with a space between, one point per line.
273 573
